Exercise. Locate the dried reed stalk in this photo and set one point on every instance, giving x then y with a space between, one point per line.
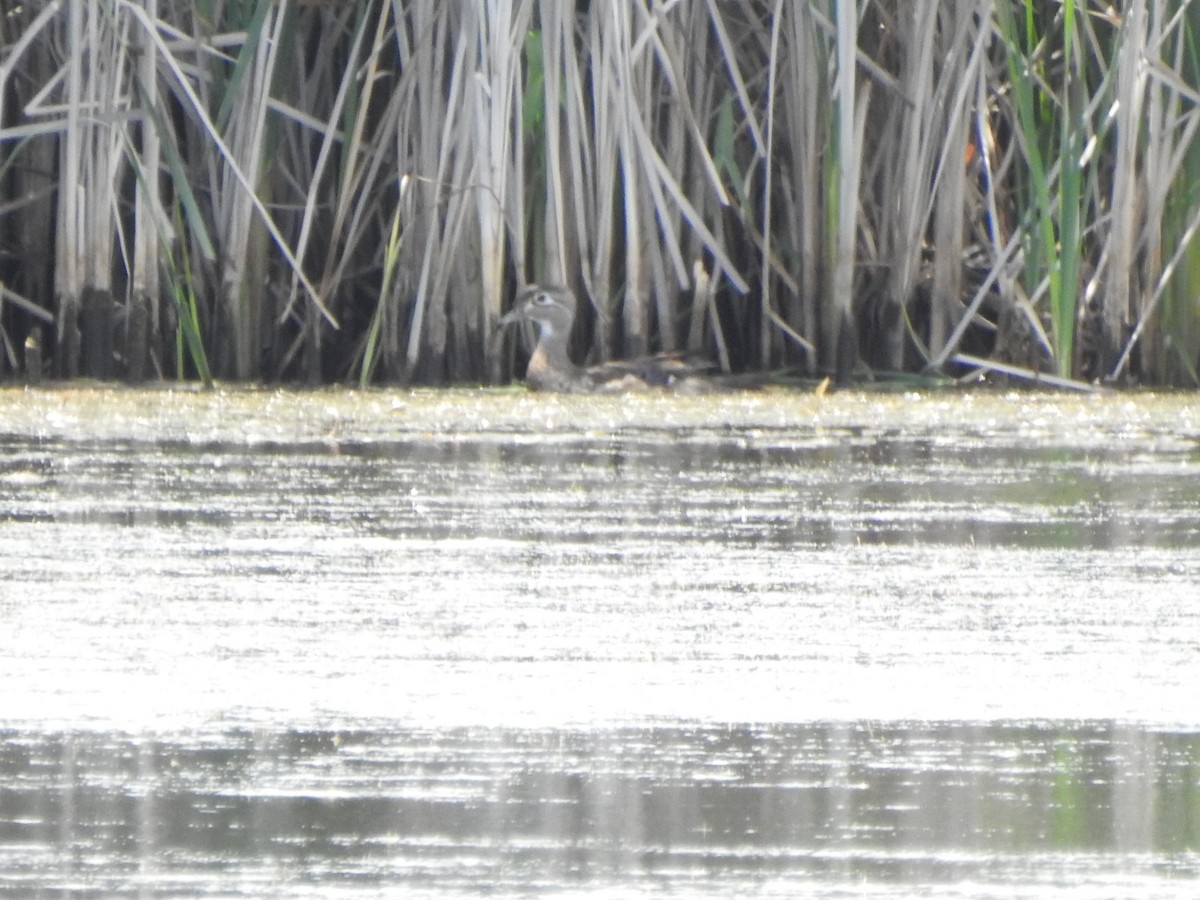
353 191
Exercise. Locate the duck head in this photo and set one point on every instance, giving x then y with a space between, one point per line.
551 308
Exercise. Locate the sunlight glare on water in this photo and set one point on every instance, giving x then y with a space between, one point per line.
348 643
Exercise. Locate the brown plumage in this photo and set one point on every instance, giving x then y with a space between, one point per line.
552 310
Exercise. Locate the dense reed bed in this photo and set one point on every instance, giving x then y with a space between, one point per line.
352 190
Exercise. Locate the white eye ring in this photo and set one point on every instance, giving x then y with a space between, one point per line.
541 298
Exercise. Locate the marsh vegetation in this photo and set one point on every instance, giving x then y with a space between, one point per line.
352 190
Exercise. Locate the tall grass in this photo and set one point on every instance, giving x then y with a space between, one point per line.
352 191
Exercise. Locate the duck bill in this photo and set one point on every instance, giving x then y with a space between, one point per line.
517 313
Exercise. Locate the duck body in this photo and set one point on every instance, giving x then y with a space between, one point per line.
552 310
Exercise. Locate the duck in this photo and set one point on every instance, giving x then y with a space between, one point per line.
552 309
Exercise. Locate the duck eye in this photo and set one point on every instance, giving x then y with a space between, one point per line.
541 299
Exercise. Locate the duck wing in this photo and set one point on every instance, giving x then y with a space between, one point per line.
660 370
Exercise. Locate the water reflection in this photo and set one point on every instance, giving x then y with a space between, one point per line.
899 803
371 661
650 486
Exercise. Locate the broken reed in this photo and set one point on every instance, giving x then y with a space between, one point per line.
351 191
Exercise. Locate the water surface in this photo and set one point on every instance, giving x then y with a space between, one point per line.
428 644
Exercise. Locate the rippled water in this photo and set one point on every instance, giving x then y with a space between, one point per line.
362 645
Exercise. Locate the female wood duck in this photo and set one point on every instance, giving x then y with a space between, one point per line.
552 310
